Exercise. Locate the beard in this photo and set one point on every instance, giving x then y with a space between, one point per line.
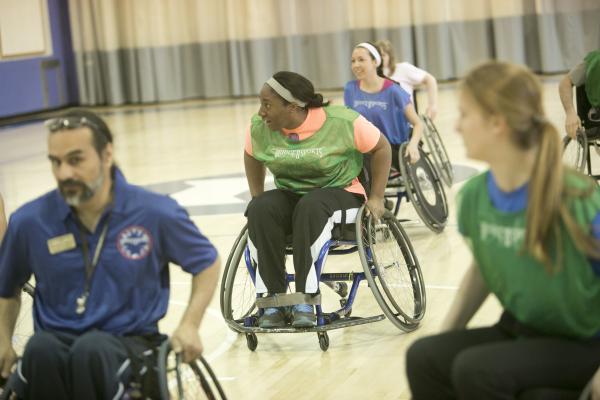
76 192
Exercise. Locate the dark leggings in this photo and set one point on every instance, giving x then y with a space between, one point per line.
309 218
504 361
395 156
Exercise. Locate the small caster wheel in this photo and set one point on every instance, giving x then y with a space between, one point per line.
323 341
251 341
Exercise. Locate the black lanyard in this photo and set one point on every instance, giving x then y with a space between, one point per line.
90 265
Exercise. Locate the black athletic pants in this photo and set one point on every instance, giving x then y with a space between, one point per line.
58 365
504 361
309 219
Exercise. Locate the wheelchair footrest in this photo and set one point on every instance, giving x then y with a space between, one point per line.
238 326
288 299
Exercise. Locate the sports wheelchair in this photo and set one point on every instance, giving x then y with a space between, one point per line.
389 265
421 183
172 378
577 151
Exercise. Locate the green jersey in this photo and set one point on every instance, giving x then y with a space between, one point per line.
565 302
592 77
328 158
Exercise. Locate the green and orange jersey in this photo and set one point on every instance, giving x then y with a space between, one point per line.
326 150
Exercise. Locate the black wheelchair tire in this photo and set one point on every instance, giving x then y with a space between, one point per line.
435 218
232 268
391 308
438 151
242 235
582 153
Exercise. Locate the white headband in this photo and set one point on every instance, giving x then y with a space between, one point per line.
283 92
371 50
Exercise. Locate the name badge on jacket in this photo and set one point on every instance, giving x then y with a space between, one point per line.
61 243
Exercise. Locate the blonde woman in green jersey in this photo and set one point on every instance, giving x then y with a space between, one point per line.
532 225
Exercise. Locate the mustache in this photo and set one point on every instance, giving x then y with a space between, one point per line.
71 182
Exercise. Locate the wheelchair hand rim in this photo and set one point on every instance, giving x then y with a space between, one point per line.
436 147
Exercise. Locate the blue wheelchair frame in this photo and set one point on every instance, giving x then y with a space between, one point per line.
247 322
354 277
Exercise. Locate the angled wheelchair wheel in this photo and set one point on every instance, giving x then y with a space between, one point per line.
8 387
179 380
242 236
238 295
23 331
575 151
425 190
438 151
392 269
24 324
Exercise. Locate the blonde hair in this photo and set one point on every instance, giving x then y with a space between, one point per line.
385 46
515 93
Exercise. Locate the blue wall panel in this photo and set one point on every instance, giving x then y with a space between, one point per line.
21 81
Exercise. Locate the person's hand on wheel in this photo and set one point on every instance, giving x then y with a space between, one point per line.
376 206
412 151
596 385
431 112
186 340
8 358
572 123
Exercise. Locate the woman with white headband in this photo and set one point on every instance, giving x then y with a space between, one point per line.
315 153
383 102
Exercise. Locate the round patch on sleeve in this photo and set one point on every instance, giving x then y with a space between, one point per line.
134 242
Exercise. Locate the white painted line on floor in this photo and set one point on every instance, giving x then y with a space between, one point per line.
408 285
223 347
442 287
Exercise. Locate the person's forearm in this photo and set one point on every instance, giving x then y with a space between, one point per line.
565 91
255 174
413 118
381 161
471 294
9 311
432 90
417 132
203 287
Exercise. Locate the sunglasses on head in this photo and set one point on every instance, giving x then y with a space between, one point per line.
57 124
